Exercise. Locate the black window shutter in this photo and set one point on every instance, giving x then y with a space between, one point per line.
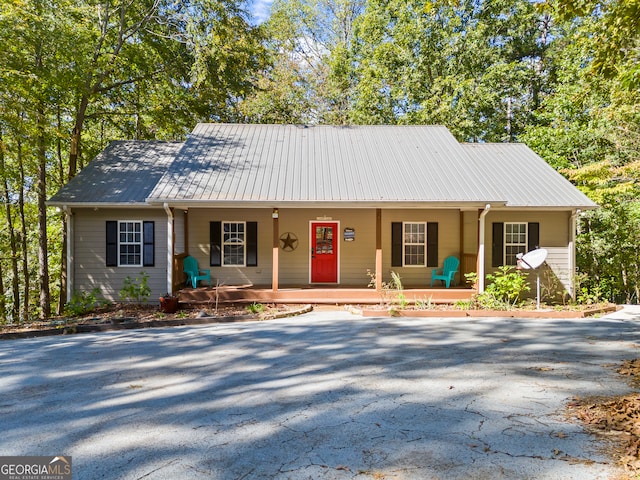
148 244
533 241
432 244
497 242
215 243
252 244
112 243
396 244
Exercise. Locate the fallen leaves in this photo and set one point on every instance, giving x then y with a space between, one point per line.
617 417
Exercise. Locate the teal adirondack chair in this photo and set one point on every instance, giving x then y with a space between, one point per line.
195 274
449 271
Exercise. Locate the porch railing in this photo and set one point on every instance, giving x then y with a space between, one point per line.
179 277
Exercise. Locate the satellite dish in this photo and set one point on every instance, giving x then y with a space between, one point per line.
533 259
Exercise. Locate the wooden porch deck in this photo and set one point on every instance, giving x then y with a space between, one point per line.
317 295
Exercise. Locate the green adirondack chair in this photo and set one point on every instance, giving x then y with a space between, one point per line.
449 271
195 274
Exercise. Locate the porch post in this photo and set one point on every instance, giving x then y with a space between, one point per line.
276 248
169 248
461 245
378 249
186 231
481 234
572 253
70 249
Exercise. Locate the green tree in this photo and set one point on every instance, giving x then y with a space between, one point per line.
589 128
476 67
76 74
310 78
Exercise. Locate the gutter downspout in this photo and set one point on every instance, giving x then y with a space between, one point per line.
572 252
70 250
169 248
481 248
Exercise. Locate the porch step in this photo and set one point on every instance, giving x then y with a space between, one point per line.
330 296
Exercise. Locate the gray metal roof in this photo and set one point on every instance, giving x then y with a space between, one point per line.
322 164
123 173
523 177
278 165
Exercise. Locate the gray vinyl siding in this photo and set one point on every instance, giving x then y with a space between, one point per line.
355 258
199 244
90 270
178 230
554 237
448 243
558 268
294 266
470 241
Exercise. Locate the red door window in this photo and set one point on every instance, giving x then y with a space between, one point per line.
324 252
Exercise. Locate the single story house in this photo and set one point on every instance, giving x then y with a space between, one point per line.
305 206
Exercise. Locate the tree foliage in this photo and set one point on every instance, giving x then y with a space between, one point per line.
75 74
561 76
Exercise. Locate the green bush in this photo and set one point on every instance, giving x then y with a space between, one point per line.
255 308
393 291
422 304
83 302
505 290
136 290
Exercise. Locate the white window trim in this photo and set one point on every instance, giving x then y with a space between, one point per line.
141 243
404 244
505 244
244 243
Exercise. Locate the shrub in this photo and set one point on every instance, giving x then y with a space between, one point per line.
422 304
255 308
392 292
137 290
505 290
83 302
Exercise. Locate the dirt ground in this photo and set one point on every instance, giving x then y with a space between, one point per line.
145 314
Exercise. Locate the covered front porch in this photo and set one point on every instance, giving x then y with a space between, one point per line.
363 249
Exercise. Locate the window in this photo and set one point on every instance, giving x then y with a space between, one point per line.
414 243
130 243
515 241
233 243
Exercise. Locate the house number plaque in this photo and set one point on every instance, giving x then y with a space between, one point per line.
349 234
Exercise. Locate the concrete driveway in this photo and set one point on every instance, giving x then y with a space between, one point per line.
323 395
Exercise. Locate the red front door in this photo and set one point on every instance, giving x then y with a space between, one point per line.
324 252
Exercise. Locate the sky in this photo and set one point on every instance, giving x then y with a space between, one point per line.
260 9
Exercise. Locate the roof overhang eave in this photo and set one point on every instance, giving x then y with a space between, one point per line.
549 208
61 204
322 204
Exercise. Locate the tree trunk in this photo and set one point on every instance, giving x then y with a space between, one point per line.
43 254
76 136
15 285
625 284
26 298
636 285
63 253
3 304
